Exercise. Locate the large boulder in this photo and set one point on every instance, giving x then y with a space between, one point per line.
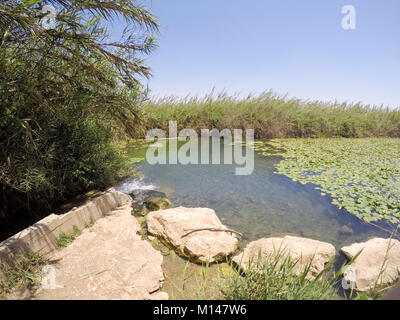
301 250
379 258
196 233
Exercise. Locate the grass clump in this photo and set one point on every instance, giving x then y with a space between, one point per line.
277 278
89 223
273 281
22 273
65 239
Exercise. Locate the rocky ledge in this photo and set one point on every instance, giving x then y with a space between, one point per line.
109 260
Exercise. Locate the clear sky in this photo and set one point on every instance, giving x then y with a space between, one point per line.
292 46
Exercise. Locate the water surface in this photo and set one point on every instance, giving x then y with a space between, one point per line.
258 205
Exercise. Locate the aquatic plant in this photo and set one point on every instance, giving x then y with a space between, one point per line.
361 175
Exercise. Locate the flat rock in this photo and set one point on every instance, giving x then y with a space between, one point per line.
299 249
108 261
369 263
173 225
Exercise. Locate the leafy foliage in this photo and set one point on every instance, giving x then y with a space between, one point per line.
65 95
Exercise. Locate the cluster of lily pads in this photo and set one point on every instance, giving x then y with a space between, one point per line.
361 175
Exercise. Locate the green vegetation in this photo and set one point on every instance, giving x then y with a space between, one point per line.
66 96
277 279
272 279
273 116
361 175
22 273
90 223
188 281
65 239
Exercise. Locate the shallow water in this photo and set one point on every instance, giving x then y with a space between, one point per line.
257 205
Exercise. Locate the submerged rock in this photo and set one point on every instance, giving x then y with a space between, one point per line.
196 233
301 250
346 231
376 254
157 203
145 201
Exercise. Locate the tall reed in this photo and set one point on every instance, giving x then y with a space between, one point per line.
273 116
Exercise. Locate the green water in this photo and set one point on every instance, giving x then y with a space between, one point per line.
257 205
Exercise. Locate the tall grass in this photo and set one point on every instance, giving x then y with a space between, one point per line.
269 278
273 116
22 274
277 278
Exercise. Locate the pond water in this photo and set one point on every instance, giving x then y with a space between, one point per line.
257 205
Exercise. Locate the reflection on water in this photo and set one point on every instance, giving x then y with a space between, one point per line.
260 204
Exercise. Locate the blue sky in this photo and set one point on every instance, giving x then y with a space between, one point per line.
291 46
